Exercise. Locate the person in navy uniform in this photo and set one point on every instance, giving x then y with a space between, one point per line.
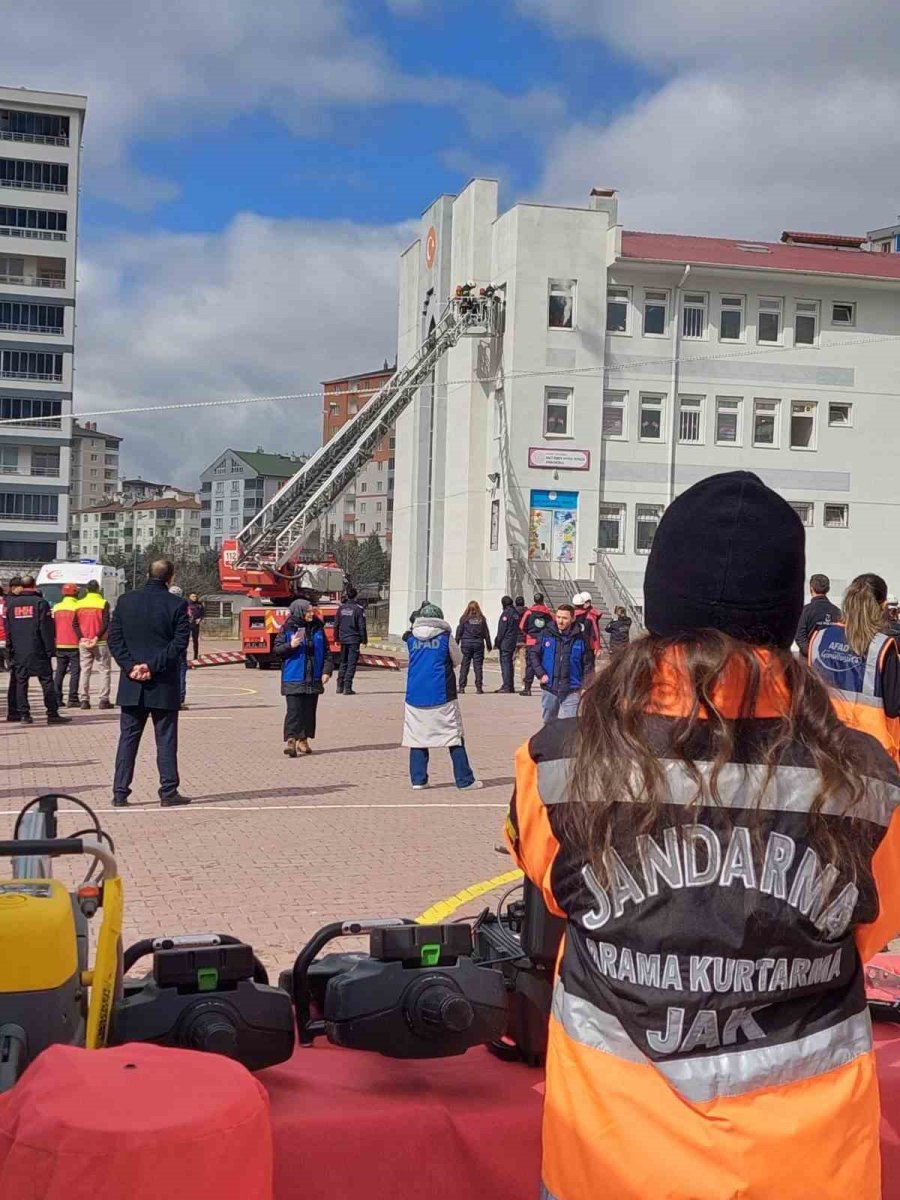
472 636
148 638
32 639
506 641
350 628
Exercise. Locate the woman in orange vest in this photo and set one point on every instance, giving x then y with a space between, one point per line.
860 663
727 855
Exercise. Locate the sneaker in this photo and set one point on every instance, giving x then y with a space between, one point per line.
419 787
174 801
85 704
27 719
349 692
472 787
106 704
58 719
290 748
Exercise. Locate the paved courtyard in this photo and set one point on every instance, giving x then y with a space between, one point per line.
273 847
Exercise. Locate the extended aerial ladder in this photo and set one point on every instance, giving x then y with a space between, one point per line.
264 557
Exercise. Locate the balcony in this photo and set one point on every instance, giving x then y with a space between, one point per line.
18 327
43 376
32 280
28 176
44 235
34 128
35 139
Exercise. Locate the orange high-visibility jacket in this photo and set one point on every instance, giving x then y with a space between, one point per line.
856 682
709 1037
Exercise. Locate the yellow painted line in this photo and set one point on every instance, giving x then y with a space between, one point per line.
442 910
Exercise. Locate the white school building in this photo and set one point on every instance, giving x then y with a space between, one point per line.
631 365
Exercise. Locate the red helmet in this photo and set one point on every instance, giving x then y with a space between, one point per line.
70 589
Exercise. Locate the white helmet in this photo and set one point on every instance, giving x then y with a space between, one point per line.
581 599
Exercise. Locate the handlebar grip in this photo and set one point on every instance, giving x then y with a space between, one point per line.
33 846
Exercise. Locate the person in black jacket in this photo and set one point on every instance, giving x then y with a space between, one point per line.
473 635
506 641
350 628
32 640
619 630
818 612
148 637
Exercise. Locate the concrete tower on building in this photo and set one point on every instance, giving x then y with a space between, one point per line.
630 366
40 147
95 474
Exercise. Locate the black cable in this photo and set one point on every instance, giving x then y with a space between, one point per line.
509 891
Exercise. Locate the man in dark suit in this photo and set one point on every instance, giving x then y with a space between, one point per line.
148 637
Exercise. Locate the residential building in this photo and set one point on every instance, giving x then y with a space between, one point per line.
40 148
367 505
630 366
236 485
123 528
143 489
94 476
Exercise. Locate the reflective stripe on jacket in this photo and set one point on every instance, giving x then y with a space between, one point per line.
855 682
92 617
709 1036
64 623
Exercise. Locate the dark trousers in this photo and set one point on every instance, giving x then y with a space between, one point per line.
68 662
12 693
529 672
182 678
347 666
195 638
300 716
475 656
42 670
506 669
131 727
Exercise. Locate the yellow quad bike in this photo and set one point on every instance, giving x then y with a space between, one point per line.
48 991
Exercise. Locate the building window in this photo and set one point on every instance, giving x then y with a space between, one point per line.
651 421
617 304
765 422
728 421
693 317
379 486
731 319
379 506
803 426
235 506
9 459
690 419
843 313
611 531
806 322
646 519
557 412
39 414
362 529
235 486
218 506
378 527
220 487
27 364
362 506
22 506
656 306
768 320
220 469
614 415
804 510
837 516
561 304
840 414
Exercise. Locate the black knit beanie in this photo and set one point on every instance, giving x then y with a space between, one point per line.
728 555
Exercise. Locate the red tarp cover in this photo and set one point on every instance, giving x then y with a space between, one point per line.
134 1123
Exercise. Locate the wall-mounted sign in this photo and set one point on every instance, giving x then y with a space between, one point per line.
548 458
430 247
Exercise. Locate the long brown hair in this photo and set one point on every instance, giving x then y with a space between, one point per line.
614 760
863 611
473 609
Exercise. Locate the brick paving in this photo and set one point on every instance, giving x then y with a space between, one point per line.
273 847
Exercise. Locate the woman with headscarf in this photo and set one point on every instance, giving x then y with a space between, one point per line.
432 716
305 669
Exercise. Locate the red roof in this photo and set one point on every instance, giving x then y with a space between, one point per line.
760 256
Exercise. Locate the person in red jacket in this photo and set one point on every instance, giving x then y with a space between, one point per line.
589 619
67 655
535 620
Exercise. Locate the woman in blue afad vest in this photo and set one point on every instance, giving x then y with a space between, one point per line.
303 650
432 716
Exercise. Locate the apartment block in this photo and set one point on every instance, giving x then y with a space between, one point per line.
40 146
236 485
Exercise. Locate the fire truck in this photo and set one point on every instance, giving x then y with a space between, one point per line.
267 559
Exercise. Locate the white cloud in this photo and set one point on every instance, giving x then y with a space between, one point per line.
767 117
265 308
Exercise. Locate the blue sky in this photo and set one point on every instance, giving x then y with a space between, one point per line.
252 171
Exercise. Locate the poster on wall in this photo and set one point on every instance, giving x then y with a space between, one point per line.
553 526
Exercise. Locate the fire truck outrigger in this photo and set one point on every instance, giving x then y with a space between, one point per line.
266 559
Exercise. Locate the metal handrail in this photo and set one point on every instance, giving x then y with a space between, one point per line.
20 327
44 376
50 281
31 185
40 139
613 587
44 235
